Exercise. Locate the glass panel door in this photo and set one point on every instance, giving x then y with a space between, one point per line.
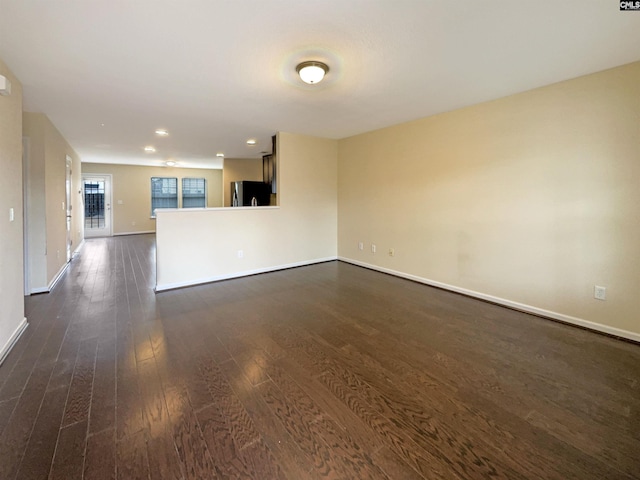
97 205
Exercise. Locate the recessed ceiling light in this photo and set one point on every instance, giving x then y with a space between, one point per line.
170 163
161 132
219 154
149 149
251 141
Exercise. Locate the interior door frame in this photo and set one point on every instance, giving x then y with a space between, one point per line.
108 213
26 192
69 224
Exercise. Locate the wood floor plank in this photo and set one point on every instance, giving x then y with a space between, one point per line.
6 410
246 441
185 430
15 437
187 436
386 432
484 428
224 452
344 456
323 371
314 448
131 457
79 400
68 463
353 442
100 457
327 403
428 427
240 424
129 418
161 449
66 359
20 374
507 398
289 454
34 312
253 460
393 465
185 362
447 414
103 398
36 463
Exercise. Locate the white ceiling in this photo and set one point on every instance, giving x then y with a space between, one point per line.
215 73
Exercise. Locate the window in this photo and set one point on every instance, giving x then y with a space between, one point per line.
194 193
164 193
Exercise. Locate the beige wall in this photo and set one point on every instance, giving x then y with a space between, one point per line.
34 132
77 203
12 321
200 246
237 169
46 200
532 199
132 186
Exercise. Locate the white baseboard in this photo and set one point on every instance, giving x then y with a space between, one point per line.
78 248
52 283
13 339
133 233
55 280
504 302
246 273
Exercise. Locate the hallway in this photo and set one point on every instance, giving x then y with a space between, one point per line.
326 371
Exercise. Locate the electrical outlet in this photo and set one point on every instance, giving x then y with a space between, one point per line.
373 248
392 252
133 223
599 293
360 246
240 254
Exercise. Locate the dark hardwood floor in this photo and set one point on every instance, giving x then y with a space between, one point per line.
327 371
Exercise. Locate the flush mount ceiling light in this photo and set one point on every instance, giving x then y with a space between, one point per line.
251 141
149 149
170 163
161 132
312 72
219 154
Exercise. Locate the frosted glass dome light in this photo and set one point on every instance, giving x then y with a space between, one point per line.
312 72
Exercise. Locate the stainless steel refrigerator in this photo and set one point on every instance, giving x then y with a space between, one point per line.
248 193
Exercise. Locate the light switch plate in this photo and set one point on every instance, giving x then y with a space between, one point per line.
5 86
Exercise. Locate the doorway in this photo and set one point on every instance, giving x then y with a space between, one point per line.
26 186
96 191
67 187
